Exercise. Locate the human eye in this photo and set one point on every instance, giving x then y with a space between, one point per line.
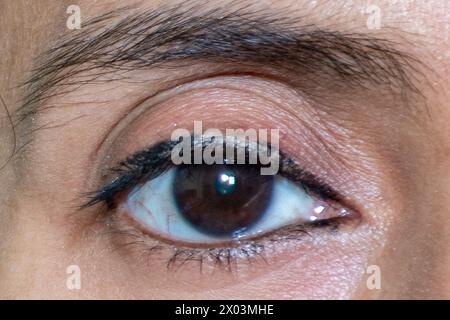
218 211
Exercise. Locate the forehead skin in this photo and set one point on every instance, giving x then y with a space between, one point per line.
422 27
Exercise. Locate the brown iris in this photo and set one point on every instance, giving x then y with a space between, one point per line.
222 199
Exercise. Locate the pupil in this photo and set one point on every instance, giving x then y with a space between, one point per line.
222 200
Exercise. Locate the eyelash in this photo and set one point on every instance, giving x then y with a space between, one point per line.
222 257
152 162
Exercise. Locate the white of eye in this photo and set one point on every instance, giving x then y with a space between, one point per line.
153 205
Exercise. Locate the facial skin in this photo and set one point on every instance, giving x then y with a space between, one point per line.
384 147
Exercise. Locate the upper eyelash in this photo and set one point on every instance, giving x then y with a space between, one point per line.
155 160
151 162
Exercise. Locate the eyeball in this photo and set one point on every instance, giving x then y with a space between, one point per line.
209 204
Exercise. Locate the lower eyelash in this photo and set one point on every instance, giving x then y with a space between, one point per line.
224 258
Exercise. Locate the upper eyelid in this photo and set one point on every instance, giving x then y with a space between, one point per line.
158 159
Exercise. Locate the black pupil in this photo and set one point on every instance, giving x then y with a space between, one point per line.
222 200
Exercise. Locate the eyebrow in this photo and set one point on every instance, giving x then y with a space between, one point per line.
126 39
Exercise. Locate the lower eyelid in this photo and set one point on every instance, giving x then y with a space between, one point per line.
128 235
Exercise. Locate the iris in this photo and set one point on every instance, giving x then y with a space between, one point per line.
222 200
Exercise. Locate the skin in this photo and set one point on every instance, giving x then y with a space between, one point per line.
397 173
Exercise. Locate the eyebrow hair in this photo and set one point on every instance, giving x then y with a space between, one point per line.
124 40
